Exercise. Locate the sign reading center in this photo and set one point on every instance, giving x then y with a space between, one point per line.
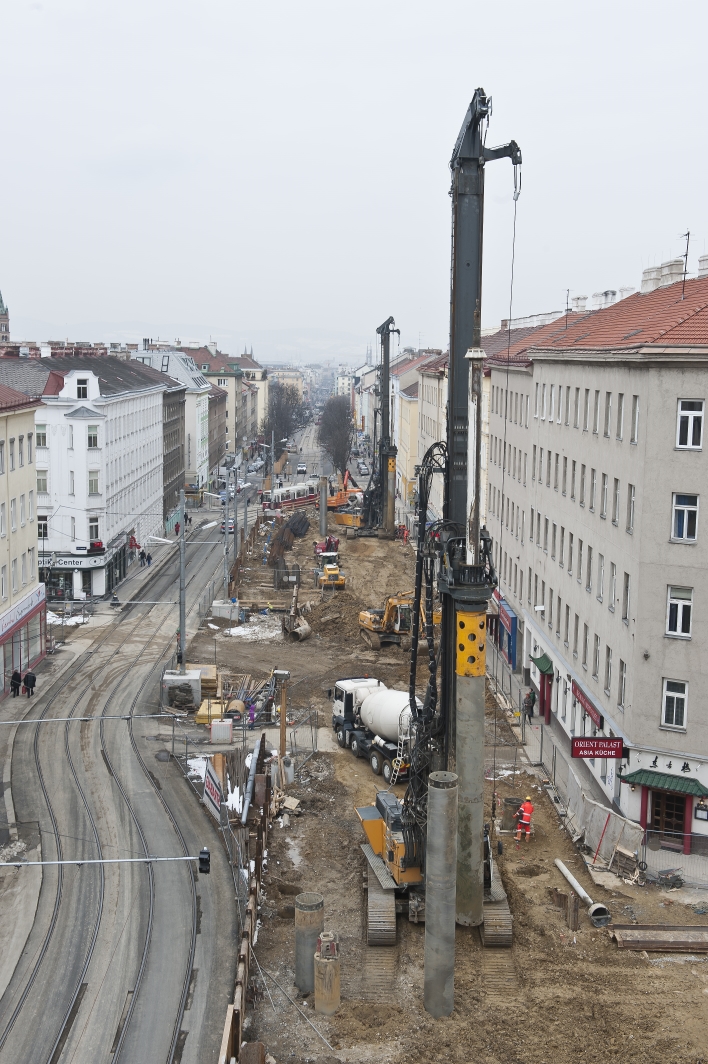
587 705
611 748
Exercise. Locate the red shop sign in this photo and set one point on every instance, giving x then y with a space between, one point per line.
612 748
587 705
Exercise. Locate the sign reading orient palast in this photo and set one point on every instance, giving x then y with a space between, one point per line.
596 747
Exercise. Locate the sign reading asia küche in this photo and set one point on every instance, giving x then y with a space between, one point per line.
596 747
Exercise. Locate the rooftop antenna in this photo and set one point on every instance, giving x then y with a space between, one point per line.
687 234
567 306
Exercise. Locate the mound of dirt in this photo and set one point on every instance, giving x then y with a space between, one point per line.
338 618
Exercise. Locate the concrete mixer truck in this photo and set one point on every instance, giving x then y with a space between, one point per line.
373 722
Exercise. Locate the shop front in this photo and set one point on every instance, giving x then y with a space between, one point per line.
507 634
71 577
673 811
23 635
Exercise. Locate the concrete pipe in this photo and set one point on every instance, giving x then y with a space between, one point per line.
599 914
309 925
440 891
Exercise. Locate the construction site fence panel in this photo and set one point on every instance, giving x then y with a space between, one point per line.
303 740
663 852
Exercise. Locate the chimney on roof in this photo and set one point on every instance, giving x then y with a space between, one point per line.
626 291
604 299
579 303
671 272
703 266
651 279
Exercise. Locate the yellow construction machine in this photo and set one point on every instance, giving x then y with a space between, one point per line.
392 623
330 576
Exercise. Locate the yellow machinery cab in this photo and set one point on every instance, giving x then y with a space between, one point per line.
383 827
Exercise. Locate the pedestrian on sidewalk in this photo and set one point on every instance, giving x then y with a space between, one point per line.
29 681
529 703
16 682
524 814
142 558
148 559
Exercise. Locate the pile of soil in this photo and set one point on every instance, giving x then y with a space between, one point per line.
337 618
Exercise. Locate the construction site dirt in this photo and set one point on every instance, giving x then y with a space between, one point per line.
556 997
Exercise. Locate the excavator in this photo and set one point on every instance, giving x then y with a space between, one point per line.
391 625
454 561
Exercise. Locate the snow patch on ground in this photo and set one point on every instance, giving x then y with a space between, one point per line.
258 628
197 767
52 618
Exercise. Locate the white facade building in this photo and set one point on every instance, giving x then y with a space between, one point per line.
183 368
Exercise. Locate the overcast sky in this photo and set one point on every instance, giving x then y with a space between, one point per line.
277 174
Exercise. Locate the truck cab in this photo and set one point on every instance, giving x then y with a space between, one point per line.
347 697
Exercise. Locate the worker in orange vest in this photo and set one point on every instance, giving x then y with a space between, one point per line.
524 814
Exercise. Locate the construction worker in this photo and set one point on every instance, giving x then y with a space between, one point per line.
524 814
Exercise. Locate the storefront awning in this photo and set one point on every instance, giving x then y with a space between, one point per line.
492 608
665 781
543 663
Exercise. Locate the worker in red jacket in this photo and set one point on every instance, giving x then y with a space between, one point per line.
524 814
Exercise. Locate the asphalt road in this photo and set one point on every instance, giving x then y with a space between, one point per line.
124 962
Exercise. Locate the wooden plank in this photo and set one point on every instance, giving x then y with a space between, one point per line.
662 939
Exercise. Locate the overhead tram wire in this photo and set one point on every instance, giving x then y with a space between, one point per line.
500 568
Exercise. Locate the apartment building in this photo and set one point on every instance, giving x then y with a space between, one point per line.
182 367
98 464
22 597
596 474
432 421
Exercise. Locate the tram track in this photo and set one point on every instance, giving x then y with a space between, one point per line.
90 658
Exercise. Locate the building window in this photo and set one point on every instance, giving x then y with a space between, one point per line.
21 450
576 411
533 463
24 568
576 627
32 569
41 481
620 415
550 608
30 506
545 535
685 517
586 410
561 547
603 497
42 527
543 403
600 576
608 669
553 540
586 640
596 657
29 448
588 571
73 528
593 488
565 475
573 466
596 413
621 685
3 520
82 389
580 560
23 516
608 413
570 554
71 437
678 611
558 600
674 703
93 482
555 472
625 599
13 515
12 455
548 469
535 409
689 425
615 502
635 419
613 587
567 406
93 435
630 507
3 582
566 633
2 456
71 482
13 570
93 528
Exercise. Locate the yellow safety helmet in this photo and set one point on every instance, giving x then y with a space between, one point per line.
527 798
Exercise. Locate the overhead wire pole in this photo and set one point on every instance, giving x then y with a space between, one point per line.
182 587
466 574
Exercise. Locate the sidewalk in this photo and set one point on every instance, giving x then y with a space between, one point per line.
545 745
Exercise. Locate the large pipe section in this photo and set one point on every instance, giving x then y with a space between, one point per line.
470 658
599 914
440 875
309 925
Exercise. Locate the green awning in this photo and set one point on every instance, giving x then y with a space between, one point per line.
664 781
543 663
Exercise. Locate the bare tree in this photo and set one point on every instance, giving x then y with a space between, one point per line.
286 413
336 432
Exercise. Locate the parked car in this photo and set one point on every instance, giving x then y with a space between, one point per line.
363 469
302 468
231 526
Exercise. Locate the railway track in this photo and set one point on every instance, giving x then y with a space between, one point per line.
92 659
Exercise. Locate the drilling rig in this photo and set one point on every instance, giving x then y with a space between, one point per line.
454 553
379 510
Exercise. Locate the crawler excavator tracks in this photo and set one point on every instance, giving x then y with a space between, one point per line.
380 914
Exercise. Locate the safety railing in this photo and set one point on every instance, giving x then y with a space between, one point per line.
666 861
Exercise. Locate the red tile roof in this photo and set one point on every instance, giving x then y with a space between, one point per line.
13 400
660 318
518 343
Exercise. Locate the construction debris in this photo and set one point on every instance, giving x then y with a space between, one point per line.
688 938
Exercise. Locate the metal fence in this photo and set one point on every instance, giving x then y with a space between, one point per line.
663 853
207 598
303 739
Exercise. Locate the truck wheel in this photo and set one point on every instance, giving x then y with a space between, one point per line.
387 771
341 737
354 746
375 762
